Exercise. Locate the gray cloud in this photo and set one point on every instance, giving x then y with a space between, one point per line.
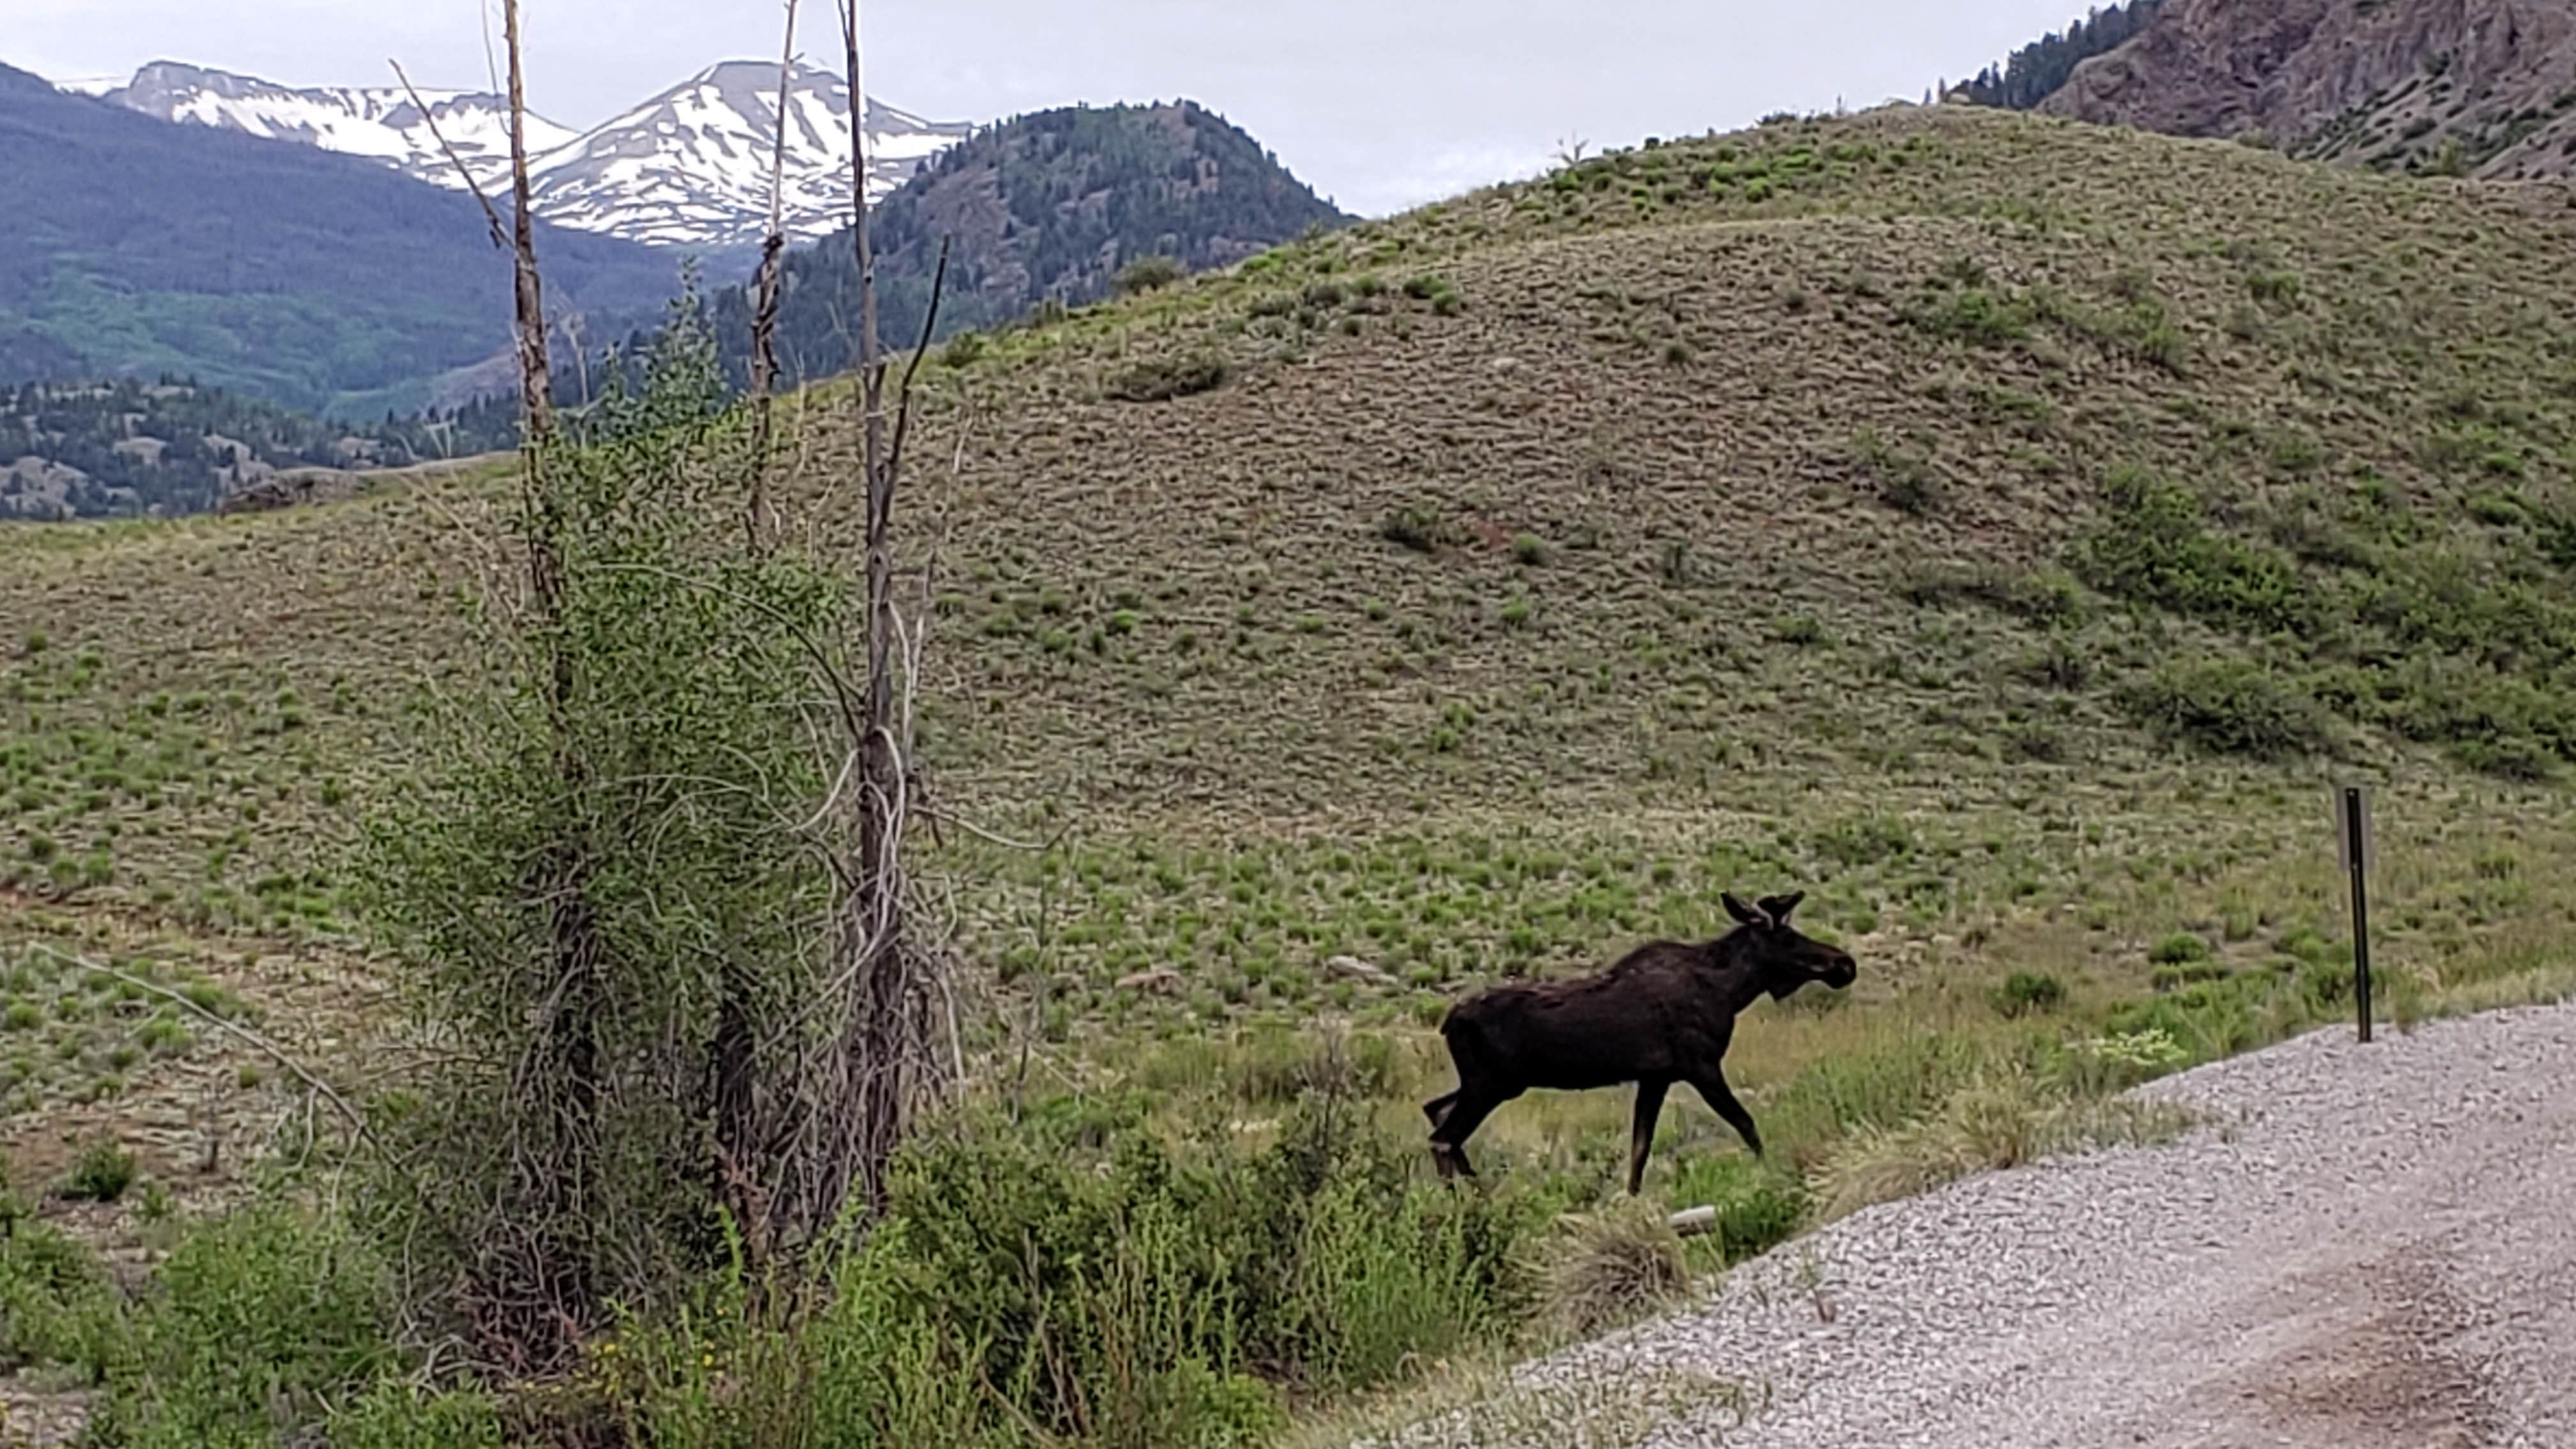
1381 103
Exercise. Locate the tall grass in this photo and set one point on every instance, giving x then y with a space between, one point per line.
1151 1268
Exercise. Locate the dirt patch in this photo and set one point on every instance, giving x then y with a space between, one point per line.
2382 1376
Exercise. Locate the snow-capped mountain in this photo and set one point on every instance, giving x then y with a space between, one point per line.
379 122
690 167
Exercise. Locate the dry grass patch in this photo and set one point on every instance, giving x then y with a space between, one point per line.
1612 1265
1994 1123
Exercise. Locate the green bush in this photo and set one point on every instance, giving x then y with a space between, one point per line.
2027 992
2041 598
395 1413
1033 1285
2180 947
1146 274
255 1325
2210 1019
102 1173
57 1303
1163 379
1421 527
1975 316
2226 707
1759 1203
1323 1259
2154 549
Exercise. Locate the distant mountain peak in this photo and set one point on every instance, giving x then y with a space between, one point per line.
691 166
687 167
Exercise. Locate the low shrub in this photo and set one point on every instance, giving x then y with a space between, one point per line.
1613 1265
2043 597
2187 973
1146 274
2156 548
57 1303
1164 379
2211 1019
1421 527
1999 1120
2177 948
102 1173
1759 1202
2113 1061
2026 992
257 1323
2226 706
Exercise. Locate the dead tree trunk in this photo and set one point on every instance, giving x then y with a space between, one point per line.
536 381
764 317
873 1046
883 1036
535 1289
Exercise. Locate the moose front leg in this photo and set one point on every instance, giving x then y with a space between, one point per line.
1712 1089
1641 1137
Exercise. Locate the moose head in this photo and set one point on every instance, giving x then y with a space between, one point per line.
1781 958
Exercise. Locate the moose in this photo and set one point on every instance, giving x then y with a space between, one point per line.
1661 1014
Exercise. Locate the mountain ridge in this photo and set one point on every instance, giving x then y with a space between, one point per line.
307 278
1043 210
687 167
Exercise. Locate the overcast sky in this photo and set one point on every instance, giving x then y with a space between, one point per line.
1381 104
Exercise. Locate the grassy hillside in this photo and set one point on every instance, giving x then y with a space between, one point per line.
1831 494
2002 529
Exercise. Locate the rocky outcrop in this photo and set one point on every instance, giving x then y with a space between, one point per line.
289 487
2470 87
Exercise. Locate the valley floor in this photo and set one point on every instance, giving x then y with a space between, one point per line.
2366 1246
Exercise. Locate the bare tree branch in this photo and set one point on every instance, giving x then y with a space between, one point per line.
764 319
270 1049
489 215
536 393
903 394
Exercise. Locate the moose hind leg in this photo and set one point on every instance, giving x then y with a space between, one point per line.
1438 1107
1641 1136
1449 1139
1712 1089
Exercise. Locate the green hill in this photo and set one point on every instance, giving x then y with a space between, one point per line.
2002 529
1889 502
1043 208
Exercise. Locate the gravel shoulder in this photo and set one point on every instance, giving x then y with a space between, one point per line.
2369 1247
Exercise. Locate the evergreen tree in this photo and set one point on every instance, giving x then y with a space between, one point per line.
2038 70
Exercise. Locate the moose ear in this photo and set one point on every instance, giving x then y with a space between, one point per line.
1779 907
1749 915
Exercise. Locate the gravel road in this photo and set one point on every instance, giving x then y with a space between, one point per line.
2373 1247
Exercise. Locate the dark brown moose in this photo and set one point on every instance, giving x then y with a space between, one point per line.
1661 1014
